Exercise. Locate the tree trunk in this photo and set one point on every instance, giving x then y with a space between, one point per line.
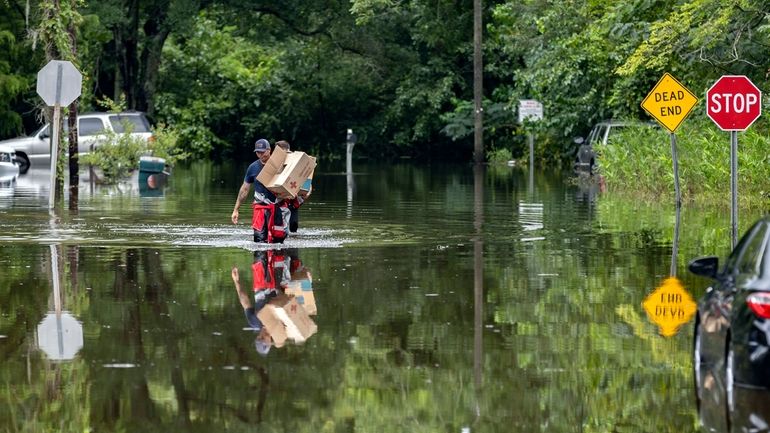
119 62
478 86
72 123
151 56
130 56
74 169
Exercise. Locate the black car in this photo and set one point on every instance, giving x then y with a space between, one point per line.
732 329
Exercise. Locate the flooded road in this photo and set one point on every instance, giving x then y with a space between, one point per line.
433 298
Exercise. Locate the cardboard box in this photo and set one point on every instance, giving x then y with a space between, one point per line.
285 172
308 184
284 318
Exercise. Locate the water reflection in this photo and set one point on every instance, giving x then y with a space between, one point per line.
59 334
675 246
283 299
478 281
7 188
165 344
751 411
36 184
670 306
152 184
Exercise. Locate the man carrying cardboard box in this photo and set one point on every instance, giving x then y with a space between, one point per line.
266 213
302 195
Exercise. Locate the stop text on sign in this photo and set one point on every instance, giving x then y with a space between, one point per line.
669 102
733 103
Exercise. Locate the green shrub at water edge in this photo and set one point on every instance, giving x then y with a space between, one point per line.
119 155
166 145
637 160
499 156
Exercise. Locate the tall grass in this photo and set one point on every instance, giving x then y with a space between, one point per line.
637 161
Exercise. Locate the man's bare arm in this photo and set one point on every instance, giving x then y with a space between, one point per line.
242 194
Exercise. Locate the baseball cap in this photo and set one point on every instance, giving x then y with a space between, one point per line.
261 145
263 348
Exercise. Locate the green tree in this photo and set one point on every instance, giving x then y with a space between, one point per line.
18 66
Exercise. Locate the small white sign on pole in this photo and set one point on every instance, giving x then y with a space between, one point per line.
530 109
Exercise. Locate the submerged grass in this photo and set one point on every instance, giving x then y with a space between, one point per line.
637 163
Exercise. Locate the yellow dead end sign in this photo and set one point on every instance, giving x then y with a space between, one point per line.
669 306
669 102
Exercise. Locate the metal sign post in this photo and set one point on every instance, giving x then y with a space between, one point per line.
530 110
675 159
54 152
734 187
58 83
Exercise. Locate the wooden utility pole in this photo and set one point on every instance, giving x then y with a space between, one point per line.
72 124
478 86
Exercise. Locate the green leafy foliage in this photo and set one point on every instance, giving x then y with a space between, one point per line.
165 144
499 156
117 157
224 73
214 85
639 161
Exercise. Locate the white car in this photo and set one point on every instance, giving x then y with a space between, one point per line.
35 150
9 167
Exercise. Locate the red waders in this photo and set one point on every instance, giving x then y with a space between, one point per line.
269 222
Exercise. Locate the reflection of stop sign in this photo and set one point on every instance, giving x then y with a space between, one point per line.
733 103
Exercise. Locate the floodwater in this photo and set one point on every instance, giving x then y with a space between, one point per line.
426 299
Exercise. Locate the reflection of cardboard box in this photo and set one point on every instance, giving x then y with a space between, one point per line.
284 173
273 325
284 318
302 274
304 296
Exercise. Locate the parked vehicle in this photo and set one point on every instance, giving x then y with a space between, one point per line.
732 326
92 127
601 134
9 166
585 158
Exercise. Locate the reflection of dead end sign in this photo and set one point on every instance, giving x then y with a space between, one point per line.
61 338
669 306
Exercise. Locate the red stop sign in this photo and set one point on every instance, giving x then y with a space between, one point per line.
733 103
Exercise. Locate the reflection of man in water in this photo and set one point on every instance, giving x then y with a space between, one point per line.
152 181
264 290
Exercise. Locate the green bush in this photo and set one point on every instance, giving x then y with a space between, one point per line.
499 156
119 155
638 161
165 144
